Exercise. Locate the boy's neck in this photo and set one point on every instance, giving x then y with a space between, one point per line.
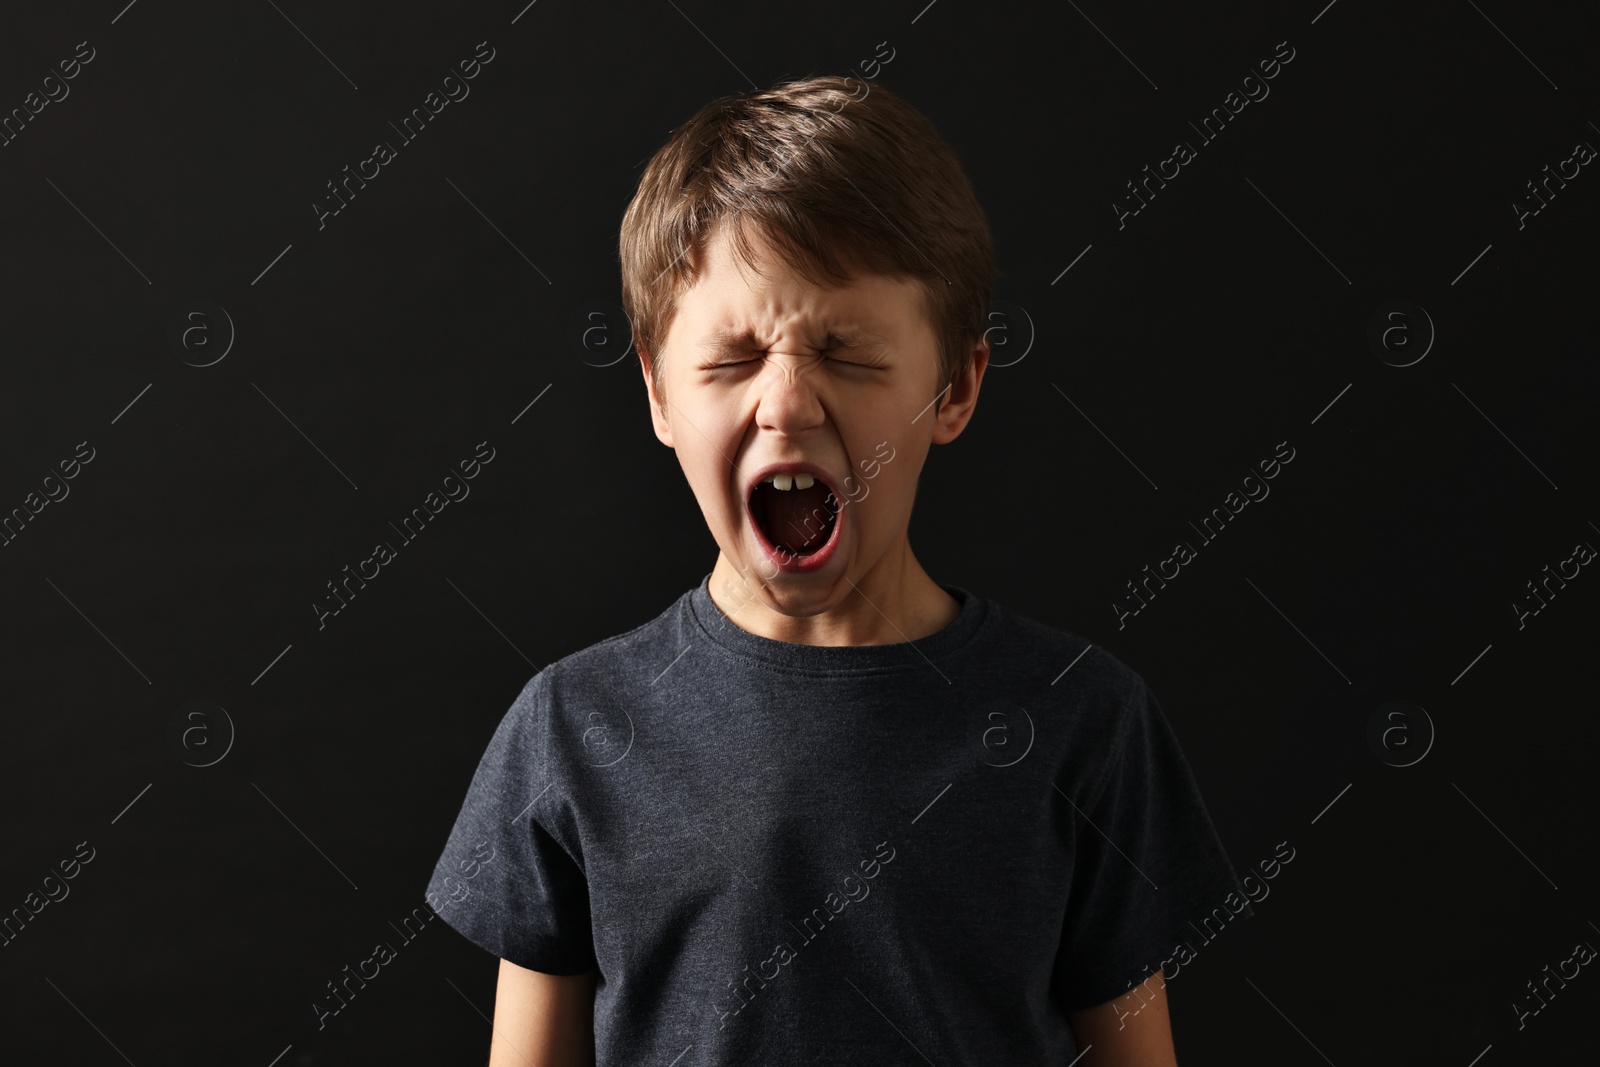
894 602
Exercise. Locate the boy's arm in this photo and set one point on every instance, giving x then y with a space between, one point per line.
543 1020
1131 1031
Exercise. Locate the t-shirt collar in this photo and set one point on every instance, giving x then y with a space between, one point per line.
704 619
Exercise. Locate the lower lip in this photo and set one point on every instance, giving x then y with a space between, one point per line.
789 564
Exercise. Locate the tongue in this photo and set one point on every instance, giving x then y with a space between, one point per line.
798 519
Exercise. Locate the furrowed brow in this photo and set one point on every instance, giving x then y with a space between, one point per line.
727 339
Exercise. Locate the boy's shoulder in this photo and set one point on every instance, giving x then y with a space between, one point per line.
612 663
1080 663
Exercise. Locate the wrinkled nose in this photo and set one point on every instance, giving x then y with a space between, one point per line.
788 392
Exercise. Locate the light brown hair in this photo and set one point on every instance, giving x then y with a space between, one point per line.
840 184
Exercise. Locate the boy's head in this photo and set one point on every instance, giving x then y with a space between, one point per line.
807 273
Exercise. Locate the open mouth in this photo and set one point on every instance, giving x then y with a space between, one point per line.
796 513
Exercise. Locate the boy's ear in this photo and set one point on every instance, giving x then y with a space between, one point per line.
658 416
955 411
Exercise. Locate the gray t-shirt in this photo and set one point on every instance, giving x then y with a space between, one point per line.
792 854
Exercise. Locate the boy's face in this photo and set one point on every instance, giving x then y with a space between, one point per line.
755 374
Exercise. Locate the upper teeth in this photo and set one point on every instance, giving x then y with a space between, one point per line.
798 480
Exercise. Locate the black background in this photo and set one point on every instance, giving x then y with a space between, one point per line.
369 356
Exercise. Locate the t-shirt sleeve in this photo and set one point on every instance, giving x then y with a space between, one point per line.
504 881
1151 881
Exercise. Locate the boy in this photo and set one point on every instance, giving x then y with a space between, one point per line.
823 809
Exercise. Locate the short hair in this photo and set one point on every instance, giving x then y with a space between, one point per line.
838 185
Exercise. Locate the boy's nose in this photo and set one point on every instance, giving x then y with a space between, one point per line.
788 391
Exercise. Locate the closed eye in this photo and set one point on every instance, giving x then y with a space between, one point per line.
863 364
857 363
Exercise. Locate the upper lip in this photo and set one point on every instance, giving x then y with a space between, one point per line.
763 473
